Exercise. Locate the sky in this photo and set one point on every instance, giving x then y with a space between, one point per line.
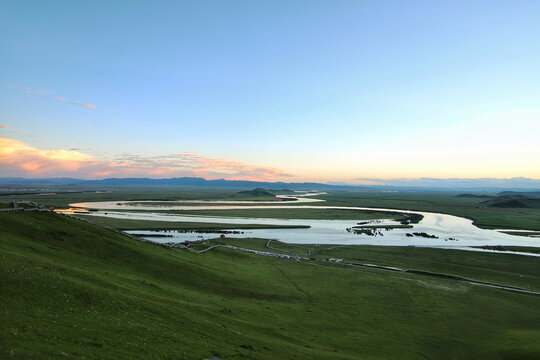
327 91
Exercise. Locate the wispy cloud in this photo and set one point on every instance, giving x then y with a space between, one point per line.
6 131
88 106
38 92
48 93
20 159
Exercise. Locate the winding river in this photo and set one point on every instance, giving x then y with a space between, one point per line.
450 231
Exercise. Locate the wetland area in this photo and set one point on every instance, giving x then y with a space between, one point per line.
428 229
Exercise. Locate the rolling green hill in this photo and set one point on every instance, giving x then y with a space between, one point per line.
72 290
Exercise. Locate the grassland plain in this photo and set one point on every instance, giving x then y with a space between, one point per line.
72 290
502 269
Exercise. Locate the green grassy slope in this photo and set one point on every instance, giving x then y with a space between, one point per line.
71 290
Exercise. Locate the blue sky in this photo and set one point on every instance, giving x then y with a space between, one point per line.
314 90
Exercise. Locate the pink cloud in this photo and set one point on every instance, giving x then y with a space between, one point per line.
20 159
4 126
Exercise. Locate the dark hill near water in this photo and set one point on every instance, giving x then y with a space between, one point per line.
258 192
507 199
521 193
513 201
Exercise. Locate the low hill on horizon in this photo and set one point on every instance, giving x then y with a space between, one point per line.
257 192
522 193
513 201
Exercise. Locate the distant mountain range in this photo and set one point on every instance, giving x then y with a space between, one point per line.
516 183
484 184
172 182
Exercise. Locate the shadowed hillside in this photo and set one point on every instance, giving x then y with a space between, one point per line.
258 192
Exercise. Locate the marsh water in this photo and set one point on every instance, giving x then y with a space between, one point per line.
447 230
